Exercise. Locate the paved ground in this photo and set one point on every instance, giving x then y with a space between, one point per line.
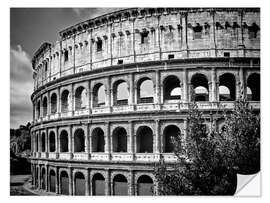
17 183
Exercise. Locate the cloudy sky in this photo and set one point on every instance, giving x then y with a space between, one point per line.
29 28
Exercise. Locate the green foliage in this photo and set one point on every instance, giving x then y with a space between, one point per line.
208 161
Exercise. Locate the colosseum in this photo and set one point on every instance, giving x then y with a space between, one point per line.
110 94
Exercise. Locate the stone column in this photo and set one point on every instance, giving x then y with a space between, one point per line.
57 142
108 183
157 88
41 107
185 86
87 185
89 96
131 90
108 139
185 137
39 177
47 178
70 182
87 142
47 142
131 184
109 93
39 142
213 84
242 83
157 137
71 141
57 180
48 104
131 149
72 94
58 101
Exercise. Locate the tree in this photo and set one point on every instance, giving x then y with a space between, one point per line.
208 162
202 167
242 128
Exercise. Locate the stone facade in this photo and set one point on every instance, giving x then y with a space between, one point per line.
113 91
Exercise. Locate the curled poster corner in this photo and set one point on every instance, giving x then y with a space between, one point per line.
248 185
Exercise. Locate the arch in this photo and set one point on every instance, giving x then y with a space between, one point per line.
64 183
80 98
170 85
44 106
145 91
53 103
227 87
120 92
52 179
79 140
253 82
144 140
98 184
119 140
145 186
52 142
199 87
43 179
64 101
120 185
63 141
169 133
79 182
99 95
43 142
98 140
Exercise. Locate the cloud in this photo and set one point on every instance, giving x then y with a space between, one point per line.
21 87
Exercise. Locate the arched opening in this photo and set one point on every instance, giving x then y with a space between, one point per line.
44 106
249 94
120 185
145 91
79 184
119 140
120 93
144 140
99 95
38 109
98 140
171 88
253 83
43 142
52 178
145 186
53 103
64 183
80 98
199 87
63 141
64 101
227 87
52 141
98 184
169 133
43 179
79 145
